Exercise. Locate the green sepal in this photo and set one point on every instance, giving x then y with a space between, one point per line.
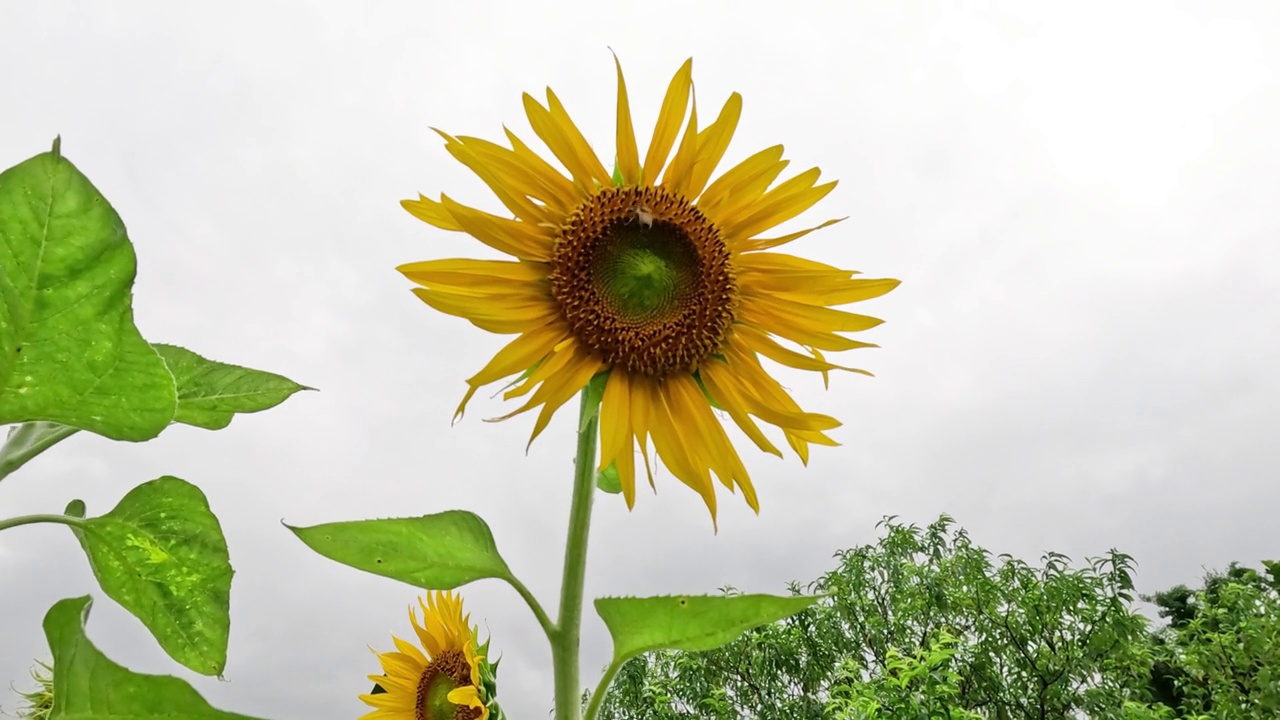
608 480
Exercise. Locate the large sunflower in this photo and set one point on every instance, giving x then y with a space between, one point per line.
654 274
444 683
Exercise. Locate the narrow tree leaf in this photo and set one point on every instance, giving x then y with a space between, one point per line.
69 351
160 554
699 622
210 392
433 552
89 686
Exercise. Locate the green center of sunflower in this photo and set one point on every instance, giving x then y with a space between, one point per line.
444 673
644 280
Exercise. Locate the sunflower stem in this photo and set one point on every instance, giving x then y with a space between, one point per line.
566 641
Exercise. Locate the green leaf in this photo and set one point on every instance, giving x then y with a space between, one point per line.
89 686
210 393
433 552
28 440
69 351
75 508
608 481
160 554
692 623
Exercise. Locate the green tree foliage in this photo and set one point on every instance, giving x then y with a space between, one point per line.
1021 641
1219 656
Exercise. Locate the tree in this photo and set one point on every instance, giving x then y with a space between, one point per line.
1024 642
1220 653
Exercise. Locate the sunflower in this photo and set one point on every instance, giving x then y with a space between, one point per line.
655 274
444 683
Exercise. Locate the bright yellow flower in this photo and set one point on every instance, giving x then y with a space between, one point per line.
441 684
658 276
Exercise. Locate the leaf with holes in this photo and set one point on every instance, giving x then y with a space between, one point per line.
161 554
69 351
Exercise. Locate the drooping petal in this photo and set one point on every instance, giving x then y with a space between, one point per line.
519 355
758 341
617 441
670 117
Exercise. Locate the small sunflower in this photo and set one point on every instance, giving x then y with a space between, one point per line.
444 683
655 274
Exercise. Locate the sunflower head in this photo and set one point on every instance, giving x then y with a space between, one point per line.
654 274
445 680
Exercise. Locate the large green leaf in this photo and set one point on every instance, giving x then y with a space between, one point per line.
160 554
433 552
69 351
698 622
89 686
210 393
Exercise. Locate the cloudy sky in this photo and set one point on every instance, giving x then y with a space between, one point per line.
1079 201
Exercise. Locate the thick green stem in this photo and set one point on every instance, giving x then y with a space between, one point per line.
567 639
29 440
32 519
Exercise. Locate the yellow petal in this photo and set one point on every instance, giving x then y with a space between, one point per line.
519 205
766 243
497 315
760 342
777 206
714 450
803 324
670 443
481 277
560 141
430 212
712 144
582 149
743 183
678 173
513 237
514 171
617 447
670 116
628 155
539 165
518 355
728 397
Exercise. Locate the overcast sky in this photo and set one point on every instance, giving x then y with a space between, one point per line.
1079 200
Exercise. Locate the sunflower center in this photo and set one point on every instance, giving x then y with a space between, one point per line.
444 673
644 280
